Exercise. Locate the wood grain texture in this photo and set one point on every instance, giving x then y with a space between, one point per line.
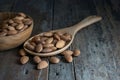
41 12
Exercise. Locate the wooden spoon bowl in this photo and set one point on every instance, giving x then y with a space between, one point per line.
12 41
71 30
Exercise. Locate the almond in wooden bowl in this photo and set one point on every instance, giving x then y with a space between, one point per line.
15 28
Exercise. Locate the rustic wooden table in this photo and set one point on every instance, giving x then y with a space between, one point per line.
99 43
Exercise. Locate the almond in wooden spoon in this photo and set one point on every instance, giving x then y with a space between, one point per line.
70 30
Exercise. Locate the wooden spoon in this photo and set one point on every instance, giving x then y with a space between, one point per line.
71 30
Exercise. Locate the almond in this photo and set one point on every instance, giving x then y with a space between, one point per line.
24 59
54 60
20 26
27 21
53 48
11 28
48 34
12 32
56 36
76 52
42 65
36 39
67 52
37 59
60 44
46 50
22 52
19 17
48 45
49 40
66 37
39 48
30 47
68 58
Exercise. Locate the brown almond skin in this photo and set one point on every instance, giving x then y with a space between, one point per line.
42 65
54 60
36 39
20 26
60 44
55 41
39 48
48 34
33 43
25 27
22 52
56 36
27 21
24 59
68 58
12 32
59 33
37 59
46 50
49 40
19 17
30 47
11 28
14 24
67 52
76 52
48 45
66 37
53 48
17 21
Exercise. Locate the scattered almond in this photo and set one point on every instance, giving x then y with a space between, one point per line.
54 60
76 52
67 52
22 52
24 59
42 65
37 59
68 58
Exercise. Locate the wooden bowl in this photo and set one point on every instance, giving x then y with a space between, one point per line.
12 41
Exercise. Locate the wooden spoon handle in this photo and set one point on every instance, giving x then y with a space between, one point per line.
85 22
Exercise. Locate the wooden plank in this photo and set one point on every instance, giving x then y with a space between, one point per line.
6 5
67 13
41 12
111 62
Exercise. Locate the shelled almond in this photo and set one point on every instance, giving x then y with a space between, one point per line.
76 52
48 42
54 60
22 52
24 59
43 64
36 59
15 25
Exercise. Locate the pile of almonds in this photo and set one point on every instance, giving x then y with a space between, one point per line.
48 42
15 25
41 63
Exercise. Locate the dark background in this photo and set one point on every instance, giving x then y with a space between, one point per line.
99 43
